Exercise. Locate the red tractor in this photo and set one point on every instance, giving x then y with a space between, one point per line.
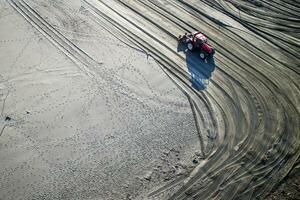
197 40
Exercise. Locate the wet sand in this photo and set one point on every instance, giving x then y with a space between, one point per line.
98 101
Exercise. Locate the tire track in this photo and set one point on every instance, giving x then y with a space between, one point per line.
89 66
249 104
248 118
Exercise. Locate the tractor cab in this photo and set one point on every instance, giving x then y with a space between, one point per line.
199 39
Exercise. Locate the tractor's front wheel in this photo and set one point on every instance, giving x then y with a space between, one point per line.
213 52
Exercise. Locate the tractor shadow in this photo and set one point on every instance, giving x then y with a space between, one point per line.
200 71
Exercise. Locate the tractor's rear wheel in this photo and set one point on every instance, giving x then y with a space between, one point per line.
190 46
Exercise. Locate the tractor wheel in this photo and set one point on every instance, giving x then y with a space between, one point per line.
202 55
213 52
179 39
190 46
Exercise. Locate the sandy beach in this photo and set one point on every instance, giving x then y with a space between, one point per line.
98 100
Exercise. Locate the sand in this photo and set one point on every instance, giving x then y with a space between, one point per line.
98 100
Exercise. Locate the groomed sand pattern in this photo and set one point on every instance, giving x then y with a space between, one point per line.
128 122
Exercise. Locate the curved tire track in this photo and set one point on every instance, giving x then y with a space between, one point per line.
252 103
